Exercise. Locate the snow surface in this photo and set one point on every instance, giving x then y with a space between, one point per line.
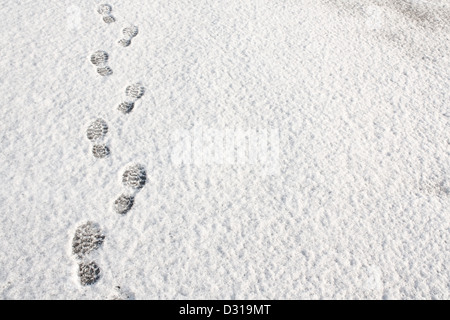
358 91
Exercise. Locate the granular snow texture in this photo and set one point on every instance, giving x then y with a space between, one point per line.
354 206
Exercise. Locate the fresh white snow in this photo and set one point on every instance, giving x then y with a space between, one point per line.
351 202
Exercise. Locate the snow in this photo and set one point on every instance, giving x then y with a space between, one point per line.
354 206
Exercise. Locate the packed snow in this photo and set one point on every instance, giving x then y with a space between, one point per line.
199 149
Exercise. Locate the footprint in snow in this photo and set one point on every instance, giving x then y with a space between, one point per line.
129 33
133 92
105 10
100 60
96 132
134 177
88 237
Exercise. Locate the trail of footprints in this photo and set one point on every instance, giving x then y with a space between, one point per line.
88 236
